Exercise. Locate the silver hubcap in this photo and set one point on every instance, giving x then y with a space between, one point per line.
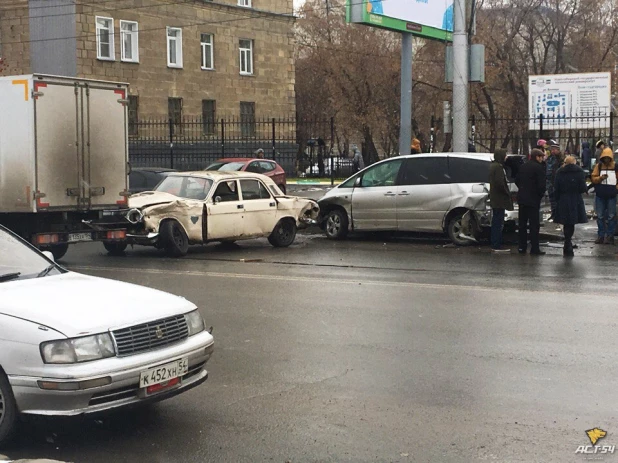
2 406
457 227
333 225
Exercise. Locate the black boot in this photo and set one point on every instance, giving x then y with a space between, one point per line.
568 249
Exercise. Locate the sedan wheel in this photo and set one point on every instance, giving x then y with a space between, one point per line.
8 410
174 239
284 234
336 225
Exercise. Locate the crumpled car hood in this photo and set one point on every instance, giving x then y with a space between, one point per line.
150 198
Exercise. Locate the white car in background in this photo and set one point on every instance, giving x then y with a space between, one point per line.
72 344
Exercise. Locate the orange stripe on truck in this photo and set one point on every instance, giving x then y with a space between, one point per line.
25 84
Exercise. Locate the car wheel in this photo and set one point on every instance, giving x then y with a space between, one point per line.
58 250
454 230
115 249
174 239
284 233
282 188
8 409
336 224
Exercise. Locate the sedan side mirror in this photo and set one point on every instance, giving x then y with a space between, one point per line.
358 181
217 199
49 255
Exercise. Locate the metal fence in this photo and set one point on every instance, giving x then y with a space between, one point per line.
302 148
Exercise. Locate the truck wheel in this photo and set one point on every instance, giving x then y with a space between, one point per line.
8 410
58 250
336 224
174 239
115 249
454 229
284 233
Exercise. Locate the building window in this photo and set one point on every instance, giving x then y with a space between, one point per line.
209 116
247 119
174 47
208 61
133 108
105 38
129 42
245 3
174 110
246 56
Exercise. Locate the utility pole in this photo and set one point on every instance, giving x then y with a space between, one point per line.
405 125
460 78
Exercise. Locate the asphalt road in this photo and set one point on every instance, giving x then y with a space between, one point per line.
368 351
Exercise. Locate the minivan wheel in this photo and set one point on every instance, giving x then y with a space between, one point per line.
336 224
8 410
174 239
454 230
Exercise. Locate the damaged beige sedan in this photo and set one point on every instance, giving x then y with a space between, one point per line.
200 207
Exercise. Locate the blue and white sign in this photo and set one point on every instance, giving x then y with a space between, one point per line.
431 13
573 101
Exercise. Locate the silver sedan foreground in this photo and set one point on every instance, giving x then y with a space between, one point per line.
72 344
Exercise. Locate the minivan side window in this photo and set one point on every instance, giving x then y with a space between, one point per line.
384 174
463 170
425 171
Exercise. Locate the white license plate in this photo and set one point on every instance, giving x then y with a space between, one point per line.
164 373
75 237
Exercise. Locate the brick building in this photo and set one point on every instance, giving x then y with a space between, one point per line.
223 58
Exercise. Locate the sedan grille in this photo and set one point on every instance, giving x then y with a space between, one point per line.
151 335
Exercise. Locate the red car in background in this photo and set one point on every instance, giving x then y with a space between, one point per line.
266 167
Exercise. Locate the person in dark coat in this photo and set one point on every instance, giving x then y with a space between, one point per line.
569 187
499 198
531 184
586 155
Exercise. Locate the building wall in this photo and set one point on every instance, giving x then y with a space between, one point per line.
14 38
52 37
271 87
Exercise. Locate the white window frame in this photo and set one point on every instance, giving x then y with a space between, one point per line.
246 58
178 44
134 42
205 46
112 51
245 3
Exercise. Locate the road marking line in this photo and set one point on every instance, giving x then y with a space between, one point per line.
250 276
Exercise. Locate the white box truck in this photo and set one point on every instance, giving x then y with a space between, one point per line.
63 161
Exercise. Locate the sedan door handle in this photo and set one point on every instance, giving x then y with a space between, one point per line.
240 206
272 204
389 193
404 193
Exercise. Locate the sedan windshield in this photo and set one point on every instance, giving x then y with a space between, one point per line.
186 187
226 166
20 261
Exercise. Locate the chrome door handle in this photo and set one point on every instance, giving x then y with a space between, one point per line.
404 193
240 206
389 193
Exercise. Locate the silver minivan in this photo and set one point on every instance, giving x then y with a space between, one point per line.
436 193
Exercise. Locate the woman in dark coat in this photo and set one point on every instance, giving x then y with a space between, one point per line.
569 187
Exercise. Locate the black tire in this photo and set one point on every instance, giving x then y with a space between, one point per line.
174 239
58 250
336 224
284 234
454 228
115 249
282 188
8 410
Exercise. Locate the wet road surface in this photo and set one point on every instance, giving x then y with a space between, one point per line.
368 350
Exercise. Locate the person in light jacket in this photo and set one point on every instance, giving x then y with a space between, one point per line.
569 187
604 179
499 198
357 161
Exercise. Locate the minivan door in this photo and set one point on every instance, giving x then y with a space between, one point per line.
424 194
374 199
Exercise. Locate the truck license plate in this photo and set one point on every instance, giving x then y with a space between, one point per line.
75 237
164 373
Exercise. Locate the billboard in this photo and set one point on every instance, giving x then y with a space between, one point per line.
425 18
575 101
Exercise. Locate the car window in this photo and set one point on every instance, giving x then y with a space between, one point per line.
463 170
267 166
136 180
226 166
186 187
349 183
227 191
255 167
17 260
253 189
425 171
384 174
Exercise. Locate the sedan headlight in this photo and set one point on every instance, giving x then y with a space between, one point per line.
195 322
78 350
